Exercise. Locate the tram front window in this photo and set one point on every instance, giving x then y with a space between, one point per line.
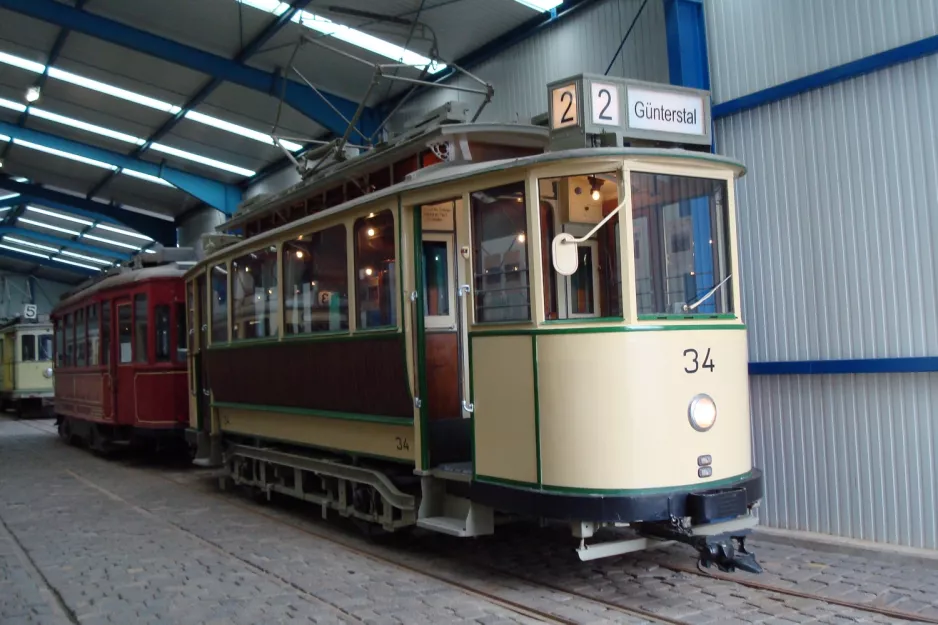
680 227
575 205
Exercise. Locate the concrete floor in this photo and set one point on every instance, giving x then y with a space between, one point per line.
89 540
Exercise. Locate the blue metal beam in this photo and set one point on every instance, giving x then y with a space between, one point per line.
164 232
918 364
296 95
248 51
686 31
77 246
222 196
27 258
12 201
828 77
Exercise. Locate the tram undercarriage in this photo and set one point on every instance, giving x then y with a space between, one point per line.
447 502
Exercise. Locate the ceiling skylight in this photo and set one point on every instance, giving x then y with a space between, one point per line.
349 35
541 5
130 96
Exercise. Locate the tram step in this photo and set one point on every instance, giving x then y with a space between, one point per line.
445 525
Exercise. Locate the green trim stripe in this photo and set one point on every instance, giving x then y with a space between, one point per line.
607 329
567 490
537 409
312 412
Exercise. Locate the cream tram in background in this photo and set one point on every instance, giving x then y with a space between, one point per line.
26 356
542 322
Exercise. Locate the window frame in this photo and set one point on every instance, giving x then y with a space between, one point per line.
447 321
274 318
210 297
351 300
22 347
354 310
535 307
712 172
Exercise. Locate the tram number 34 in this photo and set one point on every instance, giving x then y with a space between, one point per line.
402 443
695 364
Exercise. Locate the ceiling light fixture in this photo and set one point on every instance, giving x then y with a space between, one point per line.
33 93
88 258
16 249
30 244
541 5
349 35
42 211
72 262
111 242
137 98
126 233
39 224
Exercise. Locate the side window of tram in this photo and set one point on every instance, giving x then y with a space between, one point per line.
125 333
375 271
59 342
500 253
680 229
254 295
140 327
161 332
219 304
105 333
315 282
81 335
181 334
575 204
69 340
94 335
29 347
45 346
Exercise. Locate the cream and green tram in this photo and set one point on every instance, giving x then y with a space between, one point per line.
556 336
26 377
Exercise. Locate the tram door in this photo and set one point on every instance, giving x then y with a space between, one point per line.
123 367
443 345
203 401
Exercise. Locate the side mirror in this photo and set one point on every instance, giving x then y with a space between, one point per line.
565 253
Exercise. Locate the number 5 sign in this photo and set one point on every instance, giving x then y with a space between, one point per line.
604 102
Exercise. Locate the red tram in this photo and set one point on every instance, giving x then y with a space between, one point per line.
120 358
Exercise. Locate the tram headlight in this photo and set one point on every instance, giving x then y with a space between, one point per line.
47 373
702 412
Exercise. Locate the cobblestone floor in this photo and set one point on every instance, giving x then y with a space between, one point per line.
87 540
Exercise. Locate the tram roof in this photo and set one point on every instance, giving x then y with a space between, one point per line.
444 173
127 276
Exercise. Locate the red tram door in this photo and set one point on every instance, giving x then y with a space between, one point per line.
123 364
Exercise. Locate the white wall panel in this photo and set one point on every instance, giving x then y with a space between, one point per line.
200 222
849 455
755 44
584 42
838 218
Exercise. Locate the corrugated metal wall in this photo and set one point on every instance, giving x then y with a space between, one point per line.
755 44
584 42
837 224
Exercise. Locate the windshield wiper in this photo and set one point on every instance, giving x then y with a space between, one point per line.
707 296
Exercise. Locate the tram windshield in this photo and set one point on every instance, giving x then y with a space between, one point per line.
681 236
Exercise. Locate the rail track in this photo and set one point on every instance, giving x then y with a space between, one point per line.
398 560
